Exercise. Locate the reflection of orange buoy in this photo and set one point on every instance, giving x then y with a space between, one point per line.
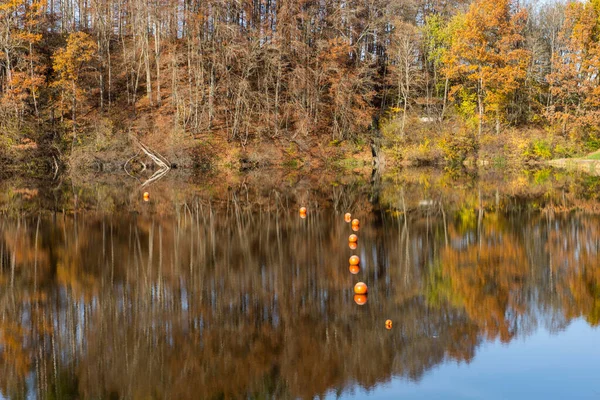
354 269
355 222
347 217
355 228
353 245
353 238
354 260
388 324
146 196
360 299
360 288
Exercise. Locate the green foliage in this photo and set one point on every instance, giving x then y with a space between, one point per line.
466 103
564 150
541 149
438 290
291 150
292 163
592 142
64 387
458 147
348 163
359 143
423 152
467 218
5 142
593 156
421 146
499 162
390 123
593 316
538 149
542 176
437 36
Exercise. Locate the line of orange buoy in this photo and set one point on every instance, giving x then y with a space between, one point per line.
352 239
360 289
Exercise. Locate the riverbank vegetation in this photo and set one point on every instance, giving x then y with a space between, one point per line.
264 82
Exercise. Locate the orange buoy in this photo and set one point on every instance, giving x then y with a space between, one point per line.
302 212
355 222
347 217
388 324
354 260
360 299
353 245
146 196
353 238
355 228
354 269
360 288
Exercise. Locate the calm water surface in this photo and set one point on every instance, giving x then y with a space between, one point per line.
220 290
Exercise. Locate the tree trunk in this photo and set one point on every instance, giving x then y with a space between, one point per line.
157 60
277 85
211 95
444 105
33 94
109 75
147 65
73 116
497 122
480 111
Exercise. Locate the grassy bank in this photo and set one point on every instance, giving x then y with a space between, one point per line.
589 163
453 143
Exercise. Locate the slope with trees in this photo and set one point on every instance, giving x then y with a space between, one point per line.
80 79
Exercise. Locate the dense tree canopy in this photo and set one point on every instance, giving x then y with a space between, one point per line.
278 69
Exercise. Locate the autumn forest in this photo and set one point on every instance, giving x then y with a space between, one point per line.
299 199
421 81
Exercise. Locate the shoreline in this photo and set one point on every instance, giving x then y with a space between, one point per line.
588 166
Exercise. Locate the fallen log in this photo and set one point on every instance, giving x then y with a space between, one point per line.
163 164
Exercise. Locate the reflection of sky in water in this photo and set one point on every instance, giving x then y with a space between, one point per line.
540 366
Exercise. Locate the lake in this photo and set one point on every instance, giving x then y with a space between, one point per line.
217 287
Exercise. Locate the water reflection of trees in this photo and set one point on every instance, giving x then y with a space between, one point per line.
241 297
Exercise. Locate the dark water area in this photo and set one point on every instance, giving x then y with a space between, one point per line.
218 289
